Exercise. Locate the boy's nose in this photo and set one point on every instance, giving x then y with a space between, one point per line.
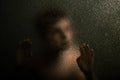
63 35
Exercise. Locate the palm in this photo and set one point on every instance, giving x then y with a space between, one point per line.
24 52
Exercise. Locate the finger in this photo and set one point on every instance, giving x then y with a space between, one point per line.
26 44
86 48
88 51
27 40
92 52
82 49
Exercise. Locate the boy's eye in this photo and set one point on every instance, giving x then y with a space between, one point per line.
55 31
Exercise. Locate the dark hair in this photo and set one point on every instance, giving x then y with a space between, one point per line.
49 17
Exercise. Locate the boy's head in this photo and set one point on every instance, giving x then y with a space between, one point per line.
54 26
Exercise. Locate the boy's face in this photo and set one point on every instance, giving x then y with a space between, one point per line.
60 34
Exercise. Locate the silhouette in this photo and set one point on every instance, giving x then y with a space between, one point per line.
61 58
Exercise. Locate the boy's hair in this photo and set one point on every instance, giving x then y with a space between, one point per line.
48 18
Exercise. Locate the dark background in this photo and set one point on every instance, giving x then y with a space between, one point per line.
96 21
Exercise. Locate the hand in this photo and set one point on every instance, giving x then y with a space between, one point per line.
24 51
86 60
